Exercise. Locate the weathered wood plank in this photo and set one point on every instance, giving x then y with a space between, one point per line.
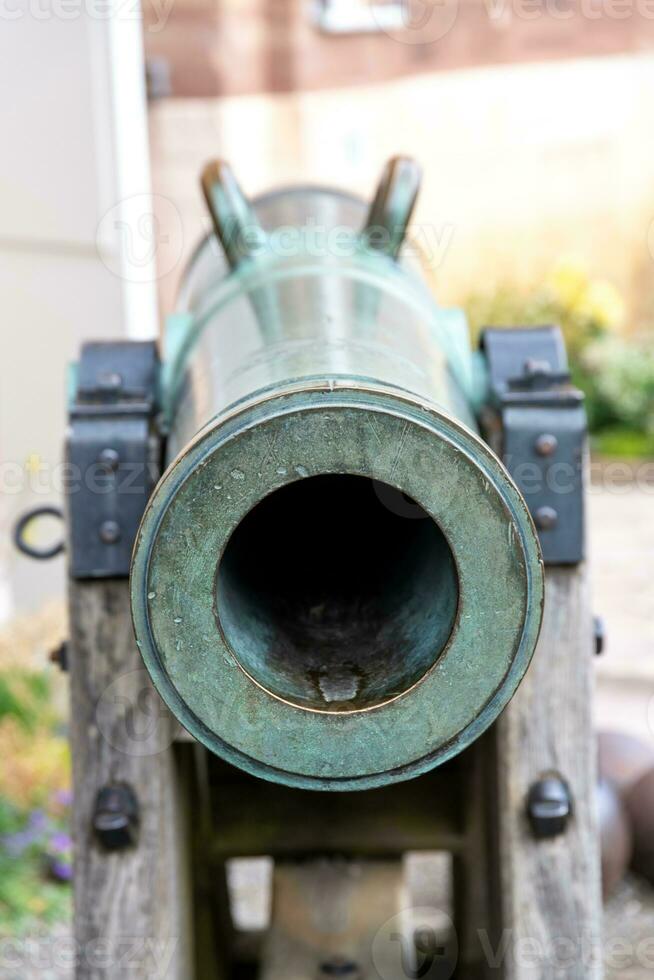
551 889
473 866
136 904
252 817
131 907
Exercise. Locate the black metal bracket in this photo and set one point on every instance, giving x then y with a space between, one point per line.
543 432
113 454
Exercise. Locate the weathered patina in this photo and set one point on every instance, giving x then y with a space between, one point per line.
336 584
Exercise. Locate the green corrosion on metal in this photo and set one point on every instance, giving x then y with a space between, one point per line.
336 584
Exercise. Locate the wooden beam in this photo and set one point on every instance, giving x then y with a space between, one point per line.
132 906
551 900
252 817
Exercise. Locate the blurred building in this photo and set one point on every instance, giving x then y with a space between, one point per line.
531 119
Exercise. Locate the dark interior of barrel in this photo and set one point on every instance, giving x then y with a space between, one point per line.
337 593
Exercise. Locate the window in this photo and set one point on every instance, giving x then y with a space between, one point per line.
359 16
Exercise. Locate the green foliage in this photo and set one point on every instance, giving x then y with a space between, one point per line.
25 696
11 705
619 382
616 376
35 850
624 442
34 863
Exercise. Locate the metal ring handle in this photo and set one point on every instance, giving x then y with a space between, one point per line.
40 554
233 218
392 206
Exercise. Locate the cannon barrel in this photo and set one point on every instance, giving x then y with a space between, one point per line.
336 584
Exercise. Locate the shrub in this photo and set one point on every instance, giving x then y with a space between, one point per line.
616 376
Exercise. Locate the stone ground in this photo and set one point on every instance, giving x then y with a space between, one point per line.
622 561
622 556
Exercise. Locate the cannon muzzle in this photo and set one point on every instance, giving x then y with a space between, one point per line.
336 583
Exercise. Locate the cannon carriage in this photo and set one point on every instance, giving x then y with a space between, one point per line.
331 607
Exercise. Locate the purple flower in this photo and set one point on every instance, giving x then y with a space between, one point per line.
38 820
16 844
63 797
61 842
61 870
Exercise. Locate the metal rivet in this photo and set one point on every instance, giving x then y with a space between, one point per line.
549 807
109 460
116 817
546 444
110 381
533 366
59 656
109 532
546 518
599 630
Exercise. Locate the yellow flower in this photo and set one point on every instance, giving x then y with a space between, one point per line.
602 304
35 764
568 281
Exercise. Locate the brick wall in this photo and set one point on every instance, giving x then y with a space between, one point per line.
236 47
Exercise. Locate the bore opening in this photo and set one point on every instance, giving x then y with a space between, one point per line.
337 593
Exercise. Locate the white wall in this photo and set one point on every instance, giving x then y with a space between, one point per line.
74 146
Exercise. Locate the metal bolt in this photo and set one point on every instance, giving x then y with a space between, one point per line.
534 366
340 967
59 656
546 444
116 817
546 518
599 629
549 807
110 381
109 460
109 532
